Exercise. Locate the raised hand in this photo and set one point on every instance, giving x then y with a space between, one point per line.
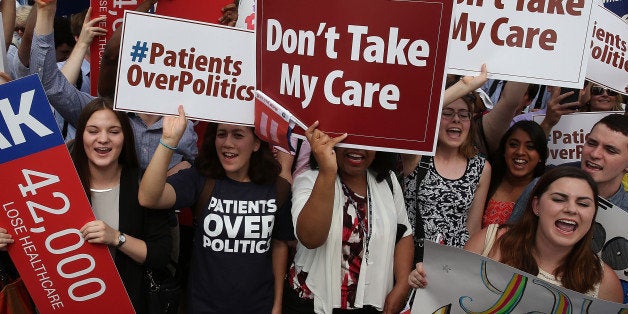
474 82
89 31
173 128
229 15
323 148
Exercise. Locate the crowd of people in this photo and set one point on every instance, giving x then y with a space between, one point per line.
329 229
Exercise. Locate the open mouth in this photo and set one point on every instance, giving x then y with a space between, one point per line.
593 166
519 163
455 132
229 155
566 226
355 158
102 150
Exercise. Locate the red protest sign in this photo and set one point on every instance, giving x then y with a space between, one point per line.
114 13
273 123
378 79
44 206
198 10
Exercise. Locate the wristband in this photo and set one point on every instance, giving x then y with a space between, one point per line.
167 146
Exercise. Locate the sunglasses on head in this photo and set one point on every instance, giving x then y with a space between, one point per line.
599 90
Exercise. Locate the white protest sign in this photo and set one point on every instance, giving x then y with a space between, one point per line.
568 136
246 14
610 239
541 42
166 62
464 282
608 63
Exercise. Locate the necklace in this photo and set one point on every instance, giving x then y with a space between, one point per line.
366 229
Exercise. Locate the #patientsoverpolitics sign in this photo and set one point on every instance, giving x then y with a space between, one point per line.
535 41
464 282
44 206
568 136
374 70
207 68
608 62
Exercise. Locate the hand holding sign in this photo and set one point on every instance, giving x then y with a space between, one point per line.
98 231
323 148
5 239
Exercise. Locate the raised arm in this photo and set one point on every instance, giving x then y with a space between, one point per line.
314 219
8 21
109 61
24 50
464 86
72 67
497 121
154 191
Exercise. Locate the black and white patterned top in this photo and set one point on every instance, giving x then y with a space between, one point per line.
443 203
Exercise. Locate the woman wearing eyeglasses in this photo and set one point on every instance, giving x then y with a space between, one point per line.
451 195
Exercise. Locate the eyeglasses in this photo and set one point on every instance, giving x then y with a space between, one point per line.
449 113
599 90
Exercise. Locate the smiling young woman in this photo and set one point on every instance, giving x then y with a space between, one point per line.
520 158
553 239
237 261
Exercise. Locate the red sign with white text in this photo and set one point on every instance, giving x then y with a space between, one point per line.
197 10
43 206
375 71
114 11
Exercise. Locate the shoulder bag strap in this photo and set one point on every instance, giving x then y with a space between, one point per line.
206 193
491 234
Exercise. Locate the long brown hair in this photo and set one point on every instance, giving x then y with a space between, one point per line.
581 268
127 158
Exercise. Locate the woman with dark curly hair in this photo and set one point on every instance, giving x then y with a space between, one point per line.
355 242
519 159
232 257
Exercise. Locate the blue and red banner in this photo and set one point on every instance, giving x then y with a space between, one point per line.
43 206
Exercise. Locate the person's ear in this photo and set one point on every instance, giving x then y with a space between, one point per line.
256 145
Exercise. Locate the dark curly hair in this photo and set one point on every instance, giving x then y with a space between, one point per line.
263 168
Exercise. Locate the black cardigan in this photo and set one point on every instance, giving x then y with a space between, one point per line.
149 225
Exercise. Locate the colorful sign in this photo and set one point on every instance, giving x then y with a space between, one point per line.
44 206
378 79
568 136
608 64
541 42
464 282
160 69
